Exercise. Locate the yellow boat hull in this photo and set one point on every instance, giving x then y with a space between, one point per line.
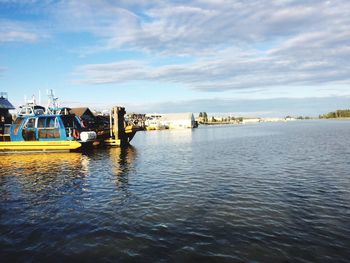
39 146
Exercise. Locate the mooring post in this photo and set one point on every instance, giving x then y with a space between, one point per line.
119 129
115 124
118 136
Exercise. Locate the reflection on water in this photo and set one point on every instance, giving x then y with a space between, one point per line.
29 163
267 193
173 136
33 165
40 172
121 159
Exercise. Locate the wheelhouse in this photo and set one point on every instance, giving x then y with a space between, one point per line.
45 128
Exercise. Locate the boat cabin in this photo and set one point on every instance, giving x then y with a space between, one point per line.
45 128
31 109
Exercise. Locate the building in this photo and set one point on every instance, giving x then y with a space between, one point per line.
178 120
153 122
136 119
5 116
84 114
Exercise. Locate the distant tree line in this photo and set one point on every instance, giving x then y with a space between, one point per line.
203 117
336 114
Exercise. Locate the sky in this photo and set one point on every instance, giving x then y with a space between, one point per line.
250 58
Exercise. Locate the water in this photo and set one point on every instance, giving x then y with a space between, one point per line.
277 192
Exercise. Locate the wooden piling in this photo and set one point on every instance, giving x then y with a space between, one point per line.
117 127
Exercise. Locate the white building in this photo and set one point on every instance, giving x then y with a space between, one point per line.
153 122
178 120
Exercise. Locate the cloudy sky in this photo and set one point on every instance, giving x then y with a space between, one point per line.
256 57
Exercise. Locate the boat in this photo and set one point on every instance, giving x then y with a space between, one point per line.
56 128
45 132
39 131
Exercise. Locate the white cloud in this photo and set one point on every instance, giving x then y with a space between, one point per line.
235 44
16 36
11 31
227 71
100 18
198 26
232 44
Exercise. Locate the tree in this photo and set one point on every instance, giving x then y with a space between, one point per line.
205 116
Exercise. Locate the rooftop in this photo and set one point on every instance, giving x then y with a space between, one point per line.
4 103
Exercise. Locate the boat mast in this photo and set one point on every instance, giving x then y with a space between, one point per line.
52 104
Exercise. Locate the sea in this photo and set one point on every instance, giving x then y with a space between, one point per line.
264 192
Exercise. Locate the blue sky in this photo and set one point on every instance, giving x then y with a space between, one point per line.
265 58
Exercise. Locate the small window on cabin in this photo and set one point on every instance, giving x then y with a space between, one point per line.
17 124
18 121
50 122
30 123
41 122
57 124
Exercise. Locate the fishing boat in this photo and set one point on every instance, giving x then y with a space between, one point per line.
46 132
40 129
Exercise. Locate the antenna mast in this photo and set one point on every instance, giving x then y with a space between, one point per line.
52 105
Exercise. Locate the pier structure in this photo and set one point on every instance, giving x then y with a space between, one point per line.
120 134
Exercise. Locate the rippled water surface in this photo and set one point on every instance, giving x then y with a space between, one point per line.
275 192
